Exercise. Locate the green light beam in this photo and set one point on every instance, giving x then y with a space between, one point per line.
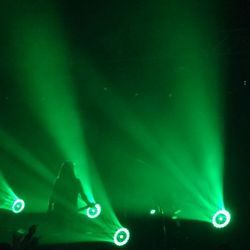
17 150
7 194
43 63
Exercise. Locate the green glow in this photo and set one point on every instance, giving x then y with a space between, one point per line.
50 86
152 211
174 152
18 206
93 212
43 62
34 166
221 218
8 197
198 140
17 150
121 237
180 139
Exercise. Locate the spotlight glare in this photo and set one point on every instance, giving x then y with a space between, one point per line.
121 236
221 218
152 211
93 212
18 206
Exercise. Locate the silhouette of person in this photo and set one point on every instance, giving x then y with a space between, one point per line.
66 190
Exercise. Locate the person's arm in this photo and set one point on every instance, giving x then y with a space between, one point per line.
52 199
51 205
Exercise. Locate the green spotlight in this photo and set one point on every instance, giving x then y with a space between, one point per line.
121 236
18 206
221 218
93 212
152 211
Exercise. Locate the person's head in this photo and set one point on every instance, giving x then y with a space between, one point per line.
67 170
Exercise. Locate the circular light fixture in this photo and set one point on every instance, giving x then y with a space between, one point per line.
221 218
93 212
121 236
18 206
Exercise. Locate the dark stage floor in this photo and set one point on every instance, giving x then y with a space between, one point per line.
146 233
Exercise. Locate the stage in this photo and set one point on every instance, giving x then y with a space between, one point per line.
145 233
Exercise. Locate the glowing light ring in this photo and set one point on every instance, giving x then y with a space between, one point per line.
121 236
93 212
221 218
18 206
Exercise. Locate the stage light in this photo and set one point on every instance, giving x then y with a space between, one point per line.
152 211
93 212
121 236
18 206
221 218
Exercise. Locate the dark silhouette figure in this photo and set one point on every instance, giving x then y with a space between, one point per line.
66 190
22 240
25 241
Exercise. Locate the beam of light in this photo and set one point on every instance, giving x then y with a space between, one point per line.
177 159
40 176
186 145
17 150
43 64
197 139
8 197
185 175
185 141
49 86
